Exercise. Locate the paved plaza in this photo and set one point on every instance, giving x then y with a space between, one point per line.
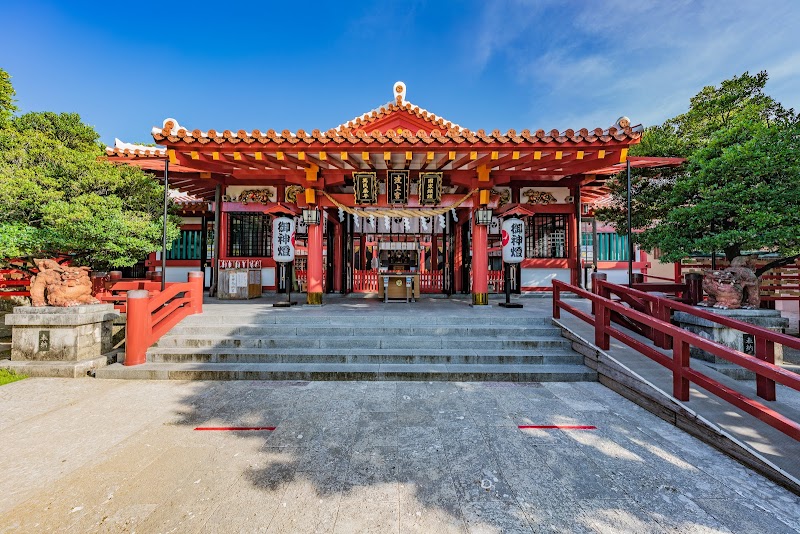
124 456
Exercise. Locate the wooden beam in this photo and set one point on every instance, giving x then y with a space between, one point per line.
324 160
447 158
516 163
201 163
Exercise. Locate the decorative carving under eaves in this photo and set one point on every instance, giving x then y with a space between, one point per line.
292 192
263 196
540 197
505 195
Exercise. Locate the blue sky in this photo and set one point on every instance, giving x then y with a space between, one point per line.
125 66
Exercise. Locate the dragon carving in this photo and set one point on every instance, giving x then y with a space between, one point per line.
61 285
734 287
292 191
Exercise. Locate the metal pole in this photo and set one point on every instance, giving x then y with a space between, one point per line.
630 240
579 233
164 232
217 216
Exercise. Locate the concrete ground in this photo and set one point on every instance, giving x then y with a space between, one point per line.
771 444
82 455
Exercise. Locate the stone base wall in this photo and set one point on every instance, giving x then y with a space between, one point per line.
61 334
730 337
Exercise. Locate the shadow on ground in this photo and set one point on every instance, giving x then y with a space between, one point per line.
449 457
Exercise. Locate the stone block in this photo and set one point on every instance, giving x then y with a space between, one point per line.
730 337
61 334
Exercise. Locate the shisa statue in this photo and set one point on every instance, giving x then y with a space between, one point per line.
61 285
734 287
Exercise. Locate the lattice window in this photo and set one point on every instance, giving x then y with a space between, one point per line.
187 246
249 235
546 237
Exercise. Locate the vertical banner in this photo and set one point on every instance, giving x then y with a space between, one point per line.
513 239
365 187
397 187
430 187
283 239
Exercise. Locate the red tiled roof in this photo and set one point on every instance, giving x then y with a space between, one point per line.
366 130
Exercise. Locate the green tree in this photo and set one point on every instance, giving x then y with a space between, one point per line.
59 196
740 188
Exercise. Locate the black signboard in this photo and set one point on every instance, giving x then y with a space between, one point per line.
365 187
397 187
430 187
749 344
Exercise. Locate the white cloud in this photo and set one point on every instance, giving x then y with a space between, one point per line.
592 61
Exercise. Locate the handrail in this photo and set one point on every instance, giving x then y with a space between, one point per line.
775 337
767 373
151 316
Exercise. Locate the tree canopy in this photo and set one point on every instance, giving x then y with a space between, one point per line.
58 195
740 187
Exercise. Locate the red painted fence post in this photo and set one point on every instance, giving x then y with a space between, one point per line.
765 350
556 300
195 279
694 283
602 322
596 290
138 328
680 361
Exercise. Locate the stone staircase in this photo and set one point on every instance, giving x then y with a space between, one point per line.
335 344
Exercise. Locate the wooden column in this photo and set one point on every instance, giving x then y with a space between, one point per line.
338 256
314 294
480 264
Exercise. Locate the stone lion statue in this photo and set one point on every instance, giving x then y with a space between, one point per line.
733 287
61 285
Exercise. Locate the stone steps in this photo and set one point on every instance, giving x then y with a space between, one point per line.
360 371
361 329
373 341
332 343
353 356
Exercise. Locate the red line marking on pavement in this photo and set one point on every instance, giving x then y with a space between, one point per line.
560 427
235 428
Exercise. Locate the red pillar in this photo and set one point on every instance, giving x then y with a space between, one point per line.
195 279
480 264
314 294
338 246
138 327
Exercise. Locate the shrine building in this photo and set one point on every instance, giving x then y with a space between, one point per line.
395 190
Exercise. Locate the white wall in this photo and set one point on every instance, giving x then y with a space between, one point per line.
543 277
181 274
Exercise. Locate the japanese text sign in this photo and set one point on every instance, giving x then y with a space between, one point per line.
513 239
283 239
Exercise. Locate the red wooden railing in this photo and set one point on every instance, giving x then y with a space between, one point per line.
496 282
14 283
431 282
151 316
762 364
302 280
367 281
